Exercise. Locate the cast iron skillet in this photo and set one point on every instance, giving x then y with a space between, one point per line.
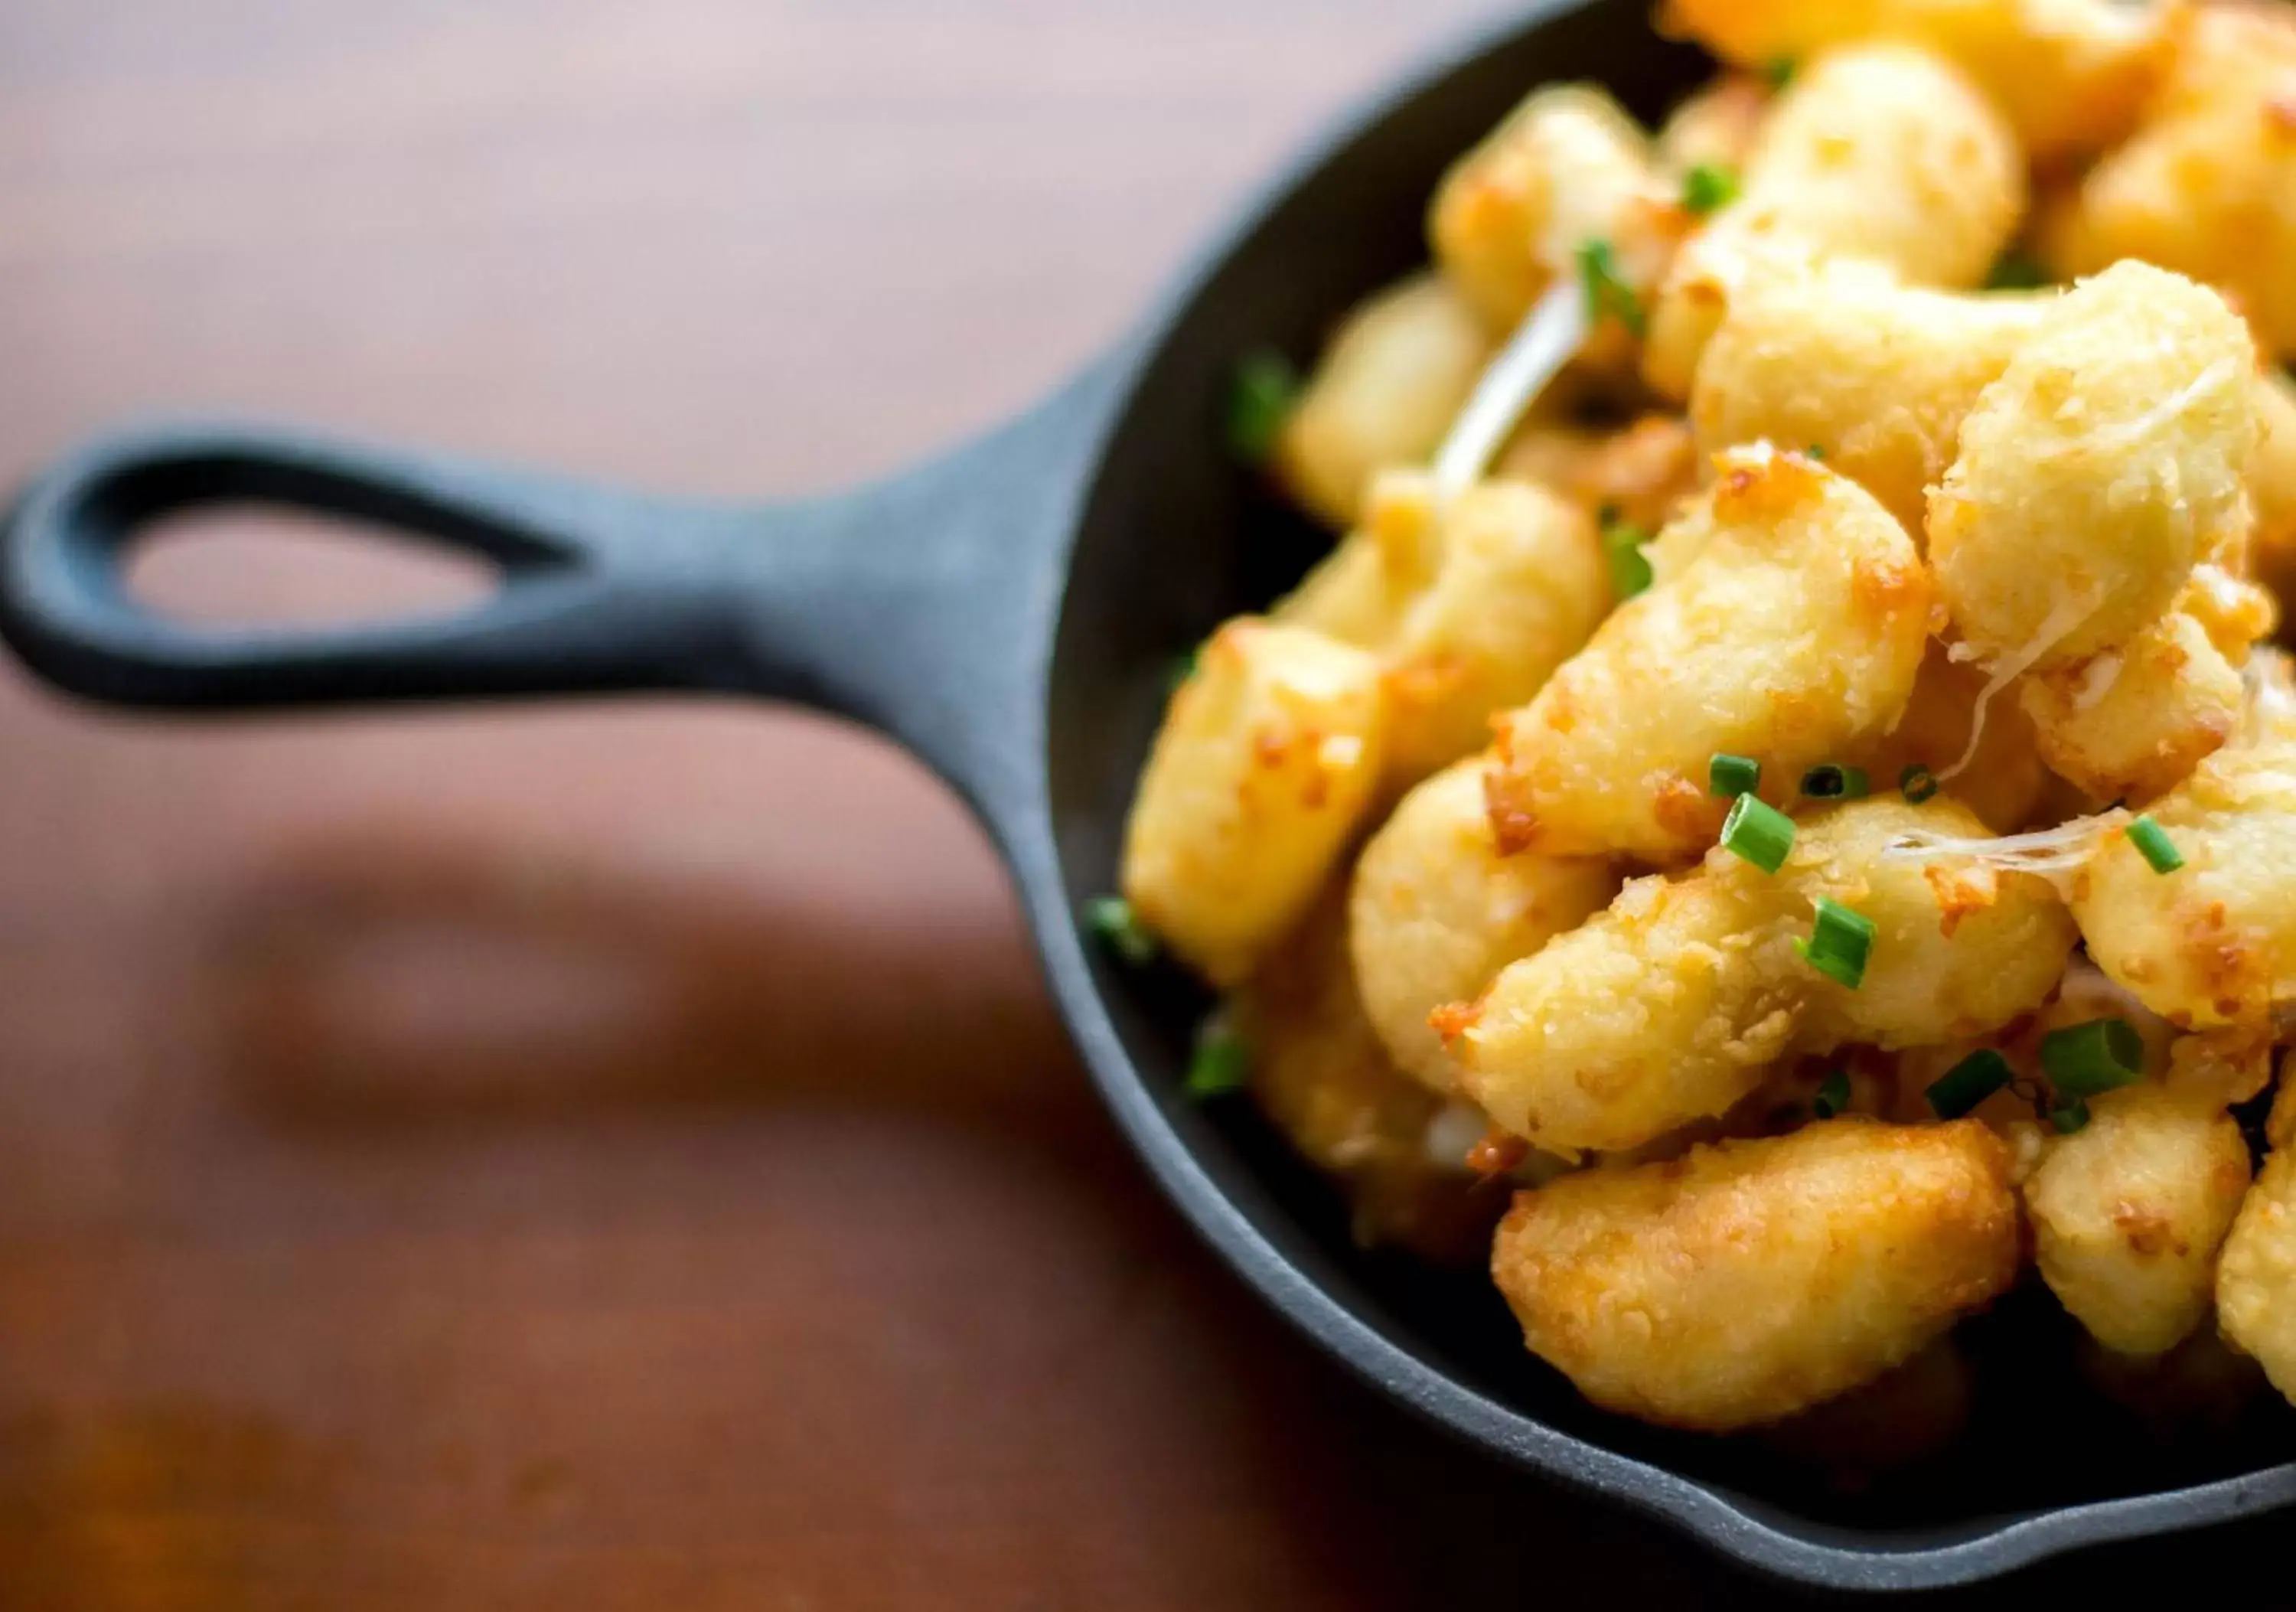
1011 612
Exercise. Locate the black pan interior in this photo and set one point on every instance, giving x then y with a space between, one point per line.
1175 538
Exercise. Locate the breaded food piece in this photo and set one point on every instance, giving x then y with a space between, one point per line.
2005 780
1714 125
2070 75
2131 722
1788 625
2272 486
2256 1272
2269 716
1520 586
2212 944
2128 1212
1395 376
1357 593
1435 912
1879 152
1323 1079
1638 474
1567 166
2105 462
2207 186
1673 1003
1753 1279
1846 358
1269 754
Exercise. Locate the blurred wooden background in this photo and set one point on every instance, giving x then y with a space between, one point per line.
621 1157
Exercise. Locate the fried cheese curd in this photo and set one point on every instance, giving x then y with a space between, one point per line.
2211 944
1269 756
2072 76
2256 1272
1468 606
1567 167
1435 912
1638 473
1323 1079
1787 624
1674 1002
1753 1280
2207 185
1386 390
1880 153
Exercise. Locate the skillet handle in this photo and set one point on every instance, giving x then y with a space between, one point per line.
574 614
922 605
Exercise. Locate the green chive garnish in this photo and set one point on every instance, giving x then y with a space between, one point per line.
2082 1060
1119 928
1184 667
1917 783
1606 287
1758 832
1219 1066
1733 775
1839 943
2068 1116
2015 270
1707 186
1833 1095
1630 568
1260 397
1780 71
2153 845
1814 451
1960 1088
1833 783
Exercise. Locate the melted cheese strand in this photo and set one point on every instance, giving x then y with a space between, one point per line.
2063 618
1555 328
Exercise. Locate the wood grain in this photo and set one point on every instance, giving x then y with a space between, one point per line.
621 1157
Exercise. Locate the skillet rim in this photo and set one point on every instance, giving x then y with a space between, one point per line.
1749 1532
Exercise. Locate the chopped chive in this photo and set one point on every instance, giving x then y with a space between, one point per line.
2069 1115
1815 451
1729 775
1120 930
2153 845
1832 1094
1917 783
1261 393
1779 71
1960 1088
1708 186
2015 270
1832 783
2082 1060
1183 668
1758 832
1630 568
1221 1063
1840 941
1606 286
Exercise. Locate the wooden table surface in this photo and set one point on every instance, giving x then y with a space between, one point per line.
620 1156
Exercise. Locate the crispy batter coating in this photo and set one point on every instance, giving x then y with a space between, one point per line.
1520 586
1788 625
2131 722
2208 186
1324 1080
1877 151
1435 912
2213 943
1846 358
2004 782
2128 1212
1714 127
1358 592
1566 167
1638 473
2070 75
2256 1273
1269 756
1754 1279
1397 371
1673 1003
2104 463
2271 487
